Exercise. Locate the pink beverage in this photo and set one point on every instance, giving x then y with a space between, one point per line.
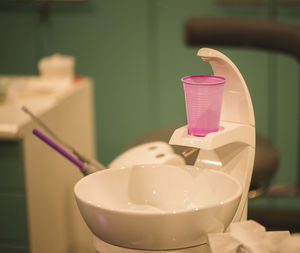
203 100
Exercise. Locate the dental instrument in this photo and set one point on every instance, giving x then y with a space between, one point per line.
85 168
93 164
139 209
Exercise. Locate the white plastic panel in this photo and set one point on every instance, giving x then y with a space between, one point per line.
229 133
237 105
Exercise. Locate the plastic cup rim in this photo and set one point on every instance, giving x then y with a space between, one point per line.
222 80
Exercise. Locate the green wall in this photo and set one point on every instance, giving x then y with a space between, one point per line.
13 219
135 52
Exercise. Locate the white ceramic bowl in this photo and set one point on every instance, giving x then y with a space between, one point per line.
157 207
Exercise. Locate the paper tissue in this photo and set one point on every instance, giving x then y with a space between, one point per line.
248 237
56 75
57 67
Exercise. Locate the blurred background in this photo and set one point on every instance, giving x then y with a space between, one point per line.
135 52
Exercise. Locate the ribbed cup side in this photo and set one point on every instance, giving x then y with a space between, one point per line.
203 106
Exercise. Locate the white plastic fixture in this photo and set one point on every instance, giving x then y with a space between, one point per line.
169 208
156 152
157 207
232 148
237 105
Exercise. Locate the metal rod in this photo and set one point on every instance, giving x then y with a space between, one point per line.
58 148
53 135
189 152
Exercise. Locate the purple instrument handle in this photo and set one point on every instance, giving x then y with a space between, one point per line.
58 148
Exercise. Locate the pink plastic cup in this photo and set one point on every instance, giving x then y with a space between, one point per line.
203 100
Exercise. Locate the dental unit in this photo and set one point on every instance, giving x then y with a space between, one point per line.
143 207
148 200
86 165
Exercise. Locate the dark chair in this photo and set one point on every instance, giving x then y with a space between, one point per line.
249 33
271 36
246 33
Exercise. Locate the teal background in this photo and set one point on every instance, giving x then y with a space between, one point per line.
13 220
135 52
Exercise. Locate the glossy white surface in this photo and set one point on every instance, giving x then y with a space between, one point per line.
157 206
157 152
237 105
229 133
231 149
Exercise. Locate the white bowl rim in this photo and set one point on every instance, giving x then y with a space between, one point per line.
156 212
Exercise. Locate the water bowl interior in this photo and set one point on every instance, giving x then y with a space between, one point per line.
157 206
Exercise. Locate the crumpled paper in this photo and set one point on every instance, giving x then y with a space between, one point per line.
247 237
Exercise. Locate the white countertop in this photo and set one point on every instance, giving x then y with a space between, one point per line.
37 96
